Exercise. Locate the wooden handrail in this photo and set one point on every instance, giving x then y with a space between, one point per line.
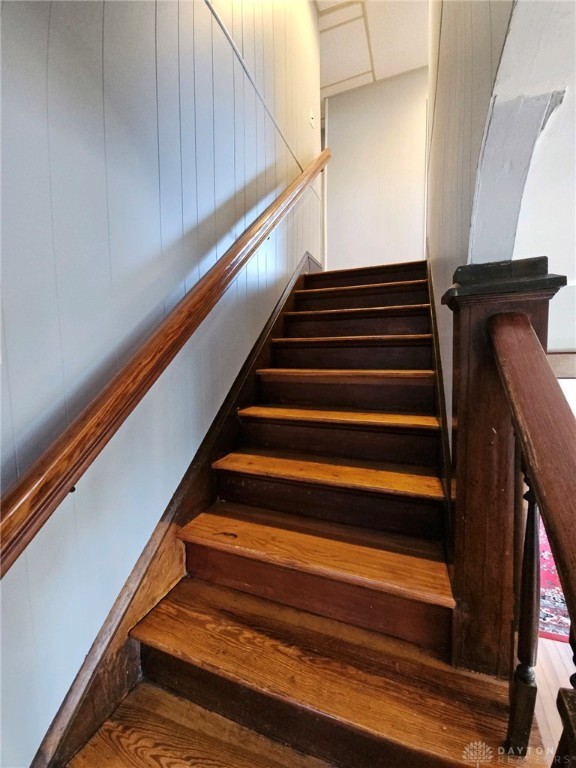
546 429
29 504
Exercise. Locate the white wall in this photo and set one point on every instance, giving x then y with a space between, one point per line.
467 37
542 44
525 188
138 142
376 179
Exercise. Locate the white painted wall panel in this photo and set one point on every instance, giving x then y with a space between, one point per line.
465 47
131 133
31 344
205 164
174 262
375 202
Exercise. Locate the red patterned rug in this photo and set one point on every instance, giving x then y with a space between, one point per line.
554 621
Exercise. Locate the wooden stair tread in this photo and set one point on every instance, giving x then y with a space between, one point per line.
338 341
411 568
355 290
315 663
153 727
346 374
386 479
340 417
378 268
400 309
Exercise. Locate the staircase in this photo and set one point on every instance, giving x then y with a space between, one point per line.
314 626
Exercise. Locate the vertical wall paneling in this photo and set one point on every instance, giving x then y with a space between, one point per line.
174 257
225 202
464 52
79 193
187 105
204 113
32 339
129 47
138 142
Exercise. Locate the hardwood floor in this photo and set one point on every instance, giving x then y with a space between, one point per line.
552 672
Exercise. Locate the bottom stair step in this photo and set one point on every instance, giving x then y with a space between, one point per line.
393 584
355 698
153 727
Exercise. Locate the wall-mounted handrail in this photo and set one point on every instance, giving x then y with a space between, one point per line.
29 504
545 428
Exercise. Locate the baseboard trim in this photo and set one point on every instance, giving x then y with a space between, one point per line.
446 467
112 666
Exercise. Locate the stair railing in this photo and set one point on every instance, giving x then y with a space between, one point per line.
545 429
29 504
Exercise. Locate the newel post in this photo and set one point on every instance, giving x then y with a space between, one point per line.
484 473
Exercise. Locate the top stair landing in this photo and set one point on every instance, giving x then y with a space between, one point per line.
385 273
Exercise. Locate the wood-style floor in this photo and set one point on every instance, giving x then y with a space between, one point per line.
553 671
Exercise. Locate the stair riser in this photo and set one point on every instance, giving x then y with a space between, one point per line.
358 300
419 622
394 274
284 720
400 446
394 357
395 514
394 396
368 326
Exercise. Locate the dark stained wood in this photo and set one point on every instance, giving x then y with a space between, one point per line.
566 752
483 446
395 514
391 391
546 429
375 295
383 273
155 727
366 419
111 667
403 438
329 689
414 569
387 479
412 352
392 584
398 499
445 463
408 319
28 505
423 623
523 691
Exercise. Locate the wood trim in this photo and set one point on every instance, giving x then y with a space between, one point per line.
484 451
563 364
112 666
546 429
441 413
29 504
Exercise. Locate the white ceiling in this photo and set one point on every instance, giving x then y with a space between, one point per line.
366 40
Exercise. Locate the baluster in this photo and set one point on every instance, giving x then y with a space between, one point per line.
566 701
573 646
523 689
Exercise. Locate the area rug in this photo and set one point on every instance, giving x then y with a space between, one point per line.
554 621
